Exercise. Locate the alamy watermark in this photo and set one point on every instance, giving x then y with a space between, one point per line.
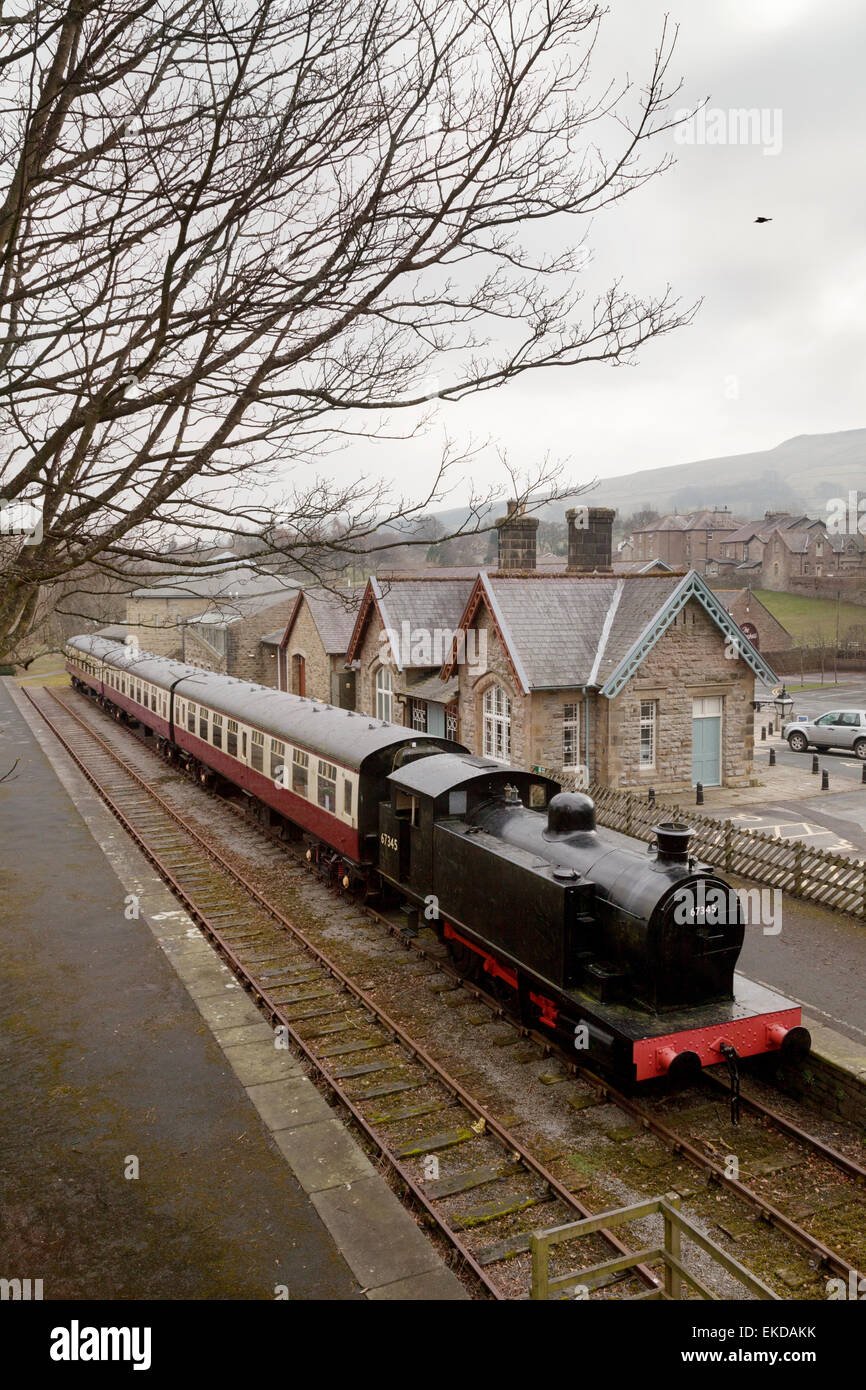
21 519
846 516
697 904
424 646
734 125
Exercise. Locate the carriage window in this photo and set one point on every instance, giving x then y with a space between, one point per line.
232 738
190 718
217 730
300 775
327 786
278 757
153 699
202 722
347 797
138 692
257 751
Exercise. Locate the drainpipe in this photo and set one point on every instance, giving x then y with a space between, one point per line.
586 729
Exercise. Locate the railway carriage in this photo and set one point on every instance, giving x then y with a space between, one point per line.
321 769
632 949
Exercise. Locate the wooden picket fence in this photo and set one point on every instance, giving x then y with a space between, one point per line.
814 874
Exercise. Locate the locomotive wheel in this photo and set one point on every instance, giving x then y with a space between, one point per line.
501 990
469 963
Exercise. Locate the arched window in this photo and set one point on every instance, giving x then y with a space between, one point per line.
384 694
497 724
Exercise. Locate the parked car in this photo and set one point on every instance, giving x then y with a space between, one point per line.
841 728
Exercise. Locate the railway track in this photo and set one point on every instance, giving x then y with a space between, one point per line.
409 1108
541 1199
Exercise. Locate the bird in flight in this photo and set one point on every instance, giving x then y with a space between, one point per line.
763 219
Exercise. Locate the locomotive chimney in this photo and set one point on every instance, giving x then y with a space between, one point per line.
672 840
516 539
590 539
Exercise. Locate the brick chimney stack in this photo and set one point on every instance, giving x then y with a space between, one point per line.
517 541
590 539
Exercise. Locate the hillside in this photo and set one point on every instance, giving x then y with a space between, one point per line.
797 475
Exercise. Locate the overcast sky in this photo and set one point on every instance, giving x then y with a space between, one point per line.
778 347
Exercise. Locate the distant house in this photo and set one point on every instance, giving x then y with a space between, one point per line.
685 540
314 645
215 618
755 620
787 552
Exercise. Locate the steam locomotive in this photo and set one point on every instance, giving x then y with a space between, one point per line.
630 952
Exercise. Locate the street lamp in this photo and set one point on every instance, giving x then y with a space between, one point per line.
784 705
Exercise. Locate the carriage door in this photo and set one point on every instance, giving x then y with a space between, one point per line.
707 741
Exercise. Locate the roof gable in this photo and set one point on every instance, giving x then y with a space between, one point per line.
692 586
333 617
564 632
407 607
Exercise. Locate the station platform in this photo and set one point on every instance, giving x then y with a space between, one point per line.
156 1145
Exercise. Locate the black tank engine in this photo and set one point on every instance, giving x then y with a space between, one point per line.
639 947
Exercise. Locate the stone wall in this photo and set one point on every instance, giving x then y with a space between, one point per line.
199 652
687 663
474 683
154 621
745 608
370 659
305 641
246 658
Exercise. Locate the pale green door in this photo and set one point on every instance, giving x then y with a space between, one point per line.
707 742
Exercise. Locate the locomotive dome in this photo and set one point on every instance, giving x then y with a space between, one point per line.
569 812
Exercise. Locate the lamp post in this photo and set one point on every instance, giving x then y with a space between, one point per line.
784 705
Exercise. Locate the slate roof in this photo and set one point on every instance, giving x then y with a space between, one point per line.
334 617
426 605
556 625
223 584
762 530
434 688
566 631
707 519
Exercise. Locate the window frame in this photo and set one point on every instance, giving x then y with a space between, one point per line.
571 723
326 776
648 721
257 742
496 723
301 773
384 694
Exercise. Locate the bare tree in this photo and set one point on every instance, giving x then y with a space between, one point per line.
234 237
